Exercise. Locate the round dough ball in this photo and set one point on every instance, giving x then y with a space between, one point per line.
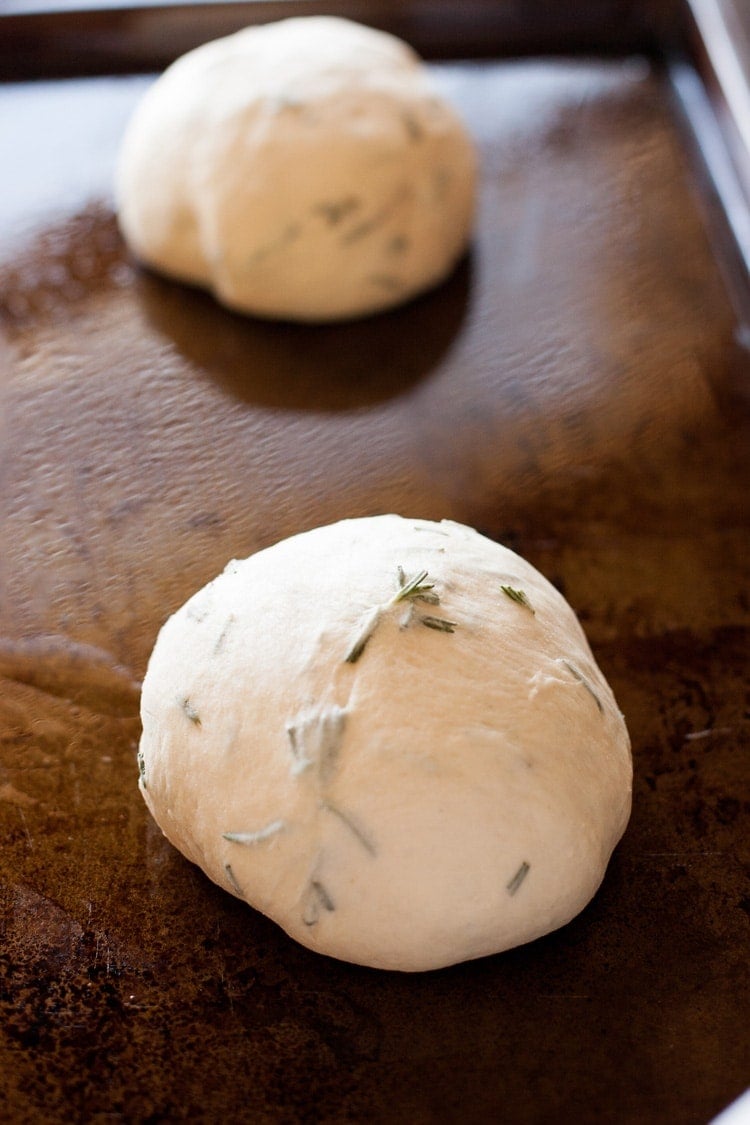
304 169
391 737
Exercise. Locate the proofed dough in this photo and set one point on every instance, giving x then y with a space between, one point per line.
304 169
391 737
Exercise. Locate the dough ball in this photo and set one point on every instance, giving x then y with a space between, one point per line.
389 736
304 169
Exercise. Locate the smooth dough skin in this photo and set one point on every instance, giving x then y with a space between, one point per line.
304 169
363 735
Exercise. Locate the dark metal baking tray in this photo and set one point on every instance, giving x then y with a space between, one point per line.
578 390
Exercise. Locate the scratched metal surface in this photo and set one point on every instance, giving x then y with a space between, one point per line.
578 390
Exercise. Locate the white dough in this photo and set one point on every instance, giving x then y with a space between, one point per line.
453 789
304 169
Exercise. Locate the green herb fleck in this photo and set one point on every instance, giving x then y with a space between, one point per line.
518 596
331 729
432 530
336 210
412 126
190 711
232 881
518 878
141 769
582 680
287 101
415 587
366 628
439 623
257 837
290 234
223 634
318 897
386 281
198 608
301 762
354 828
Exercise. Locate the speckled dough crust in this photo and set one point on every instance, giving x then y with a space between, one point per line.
304 169
391 737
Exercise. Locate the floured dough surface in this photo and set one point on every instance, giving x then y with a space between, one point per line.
305 169
391 737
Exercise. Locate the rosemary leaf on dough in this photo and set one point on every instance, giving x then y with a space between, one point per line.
439 623
518 878
256 837
584 682
518 596
411 590
190 711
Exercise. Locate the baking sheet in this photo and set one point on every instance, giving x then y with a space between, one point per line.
577 390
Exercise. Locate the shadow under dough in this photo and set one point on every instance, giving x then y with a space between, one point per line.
318 367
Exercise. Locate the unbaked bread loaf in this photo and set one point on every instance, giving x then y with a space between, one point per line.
305 169
391 737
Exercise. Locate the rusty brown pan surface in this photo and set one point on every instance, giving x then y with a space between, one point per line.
579 391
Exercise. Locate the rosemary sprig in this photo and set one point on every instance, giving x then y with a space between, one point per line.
413 587
518 596
411 590
141 769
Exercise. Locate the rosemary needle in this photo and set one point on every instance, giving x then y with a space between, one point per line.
439 623
518 596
